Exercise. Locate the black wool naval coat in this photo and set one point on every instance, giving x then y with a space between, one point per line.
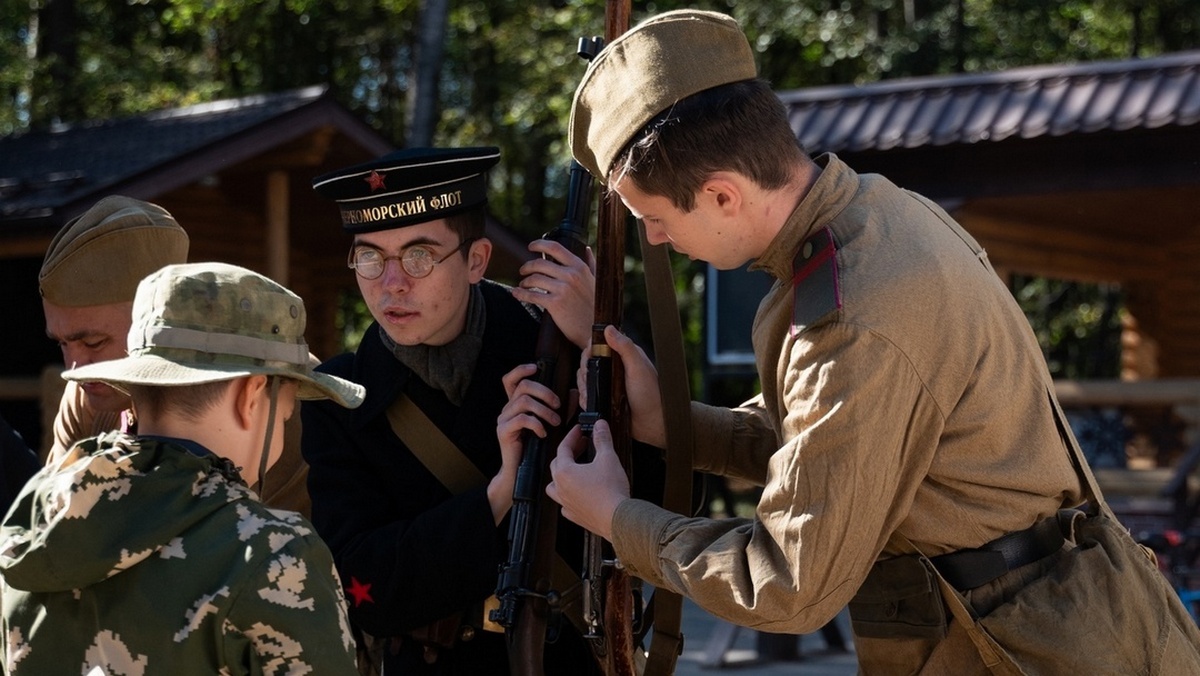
408 552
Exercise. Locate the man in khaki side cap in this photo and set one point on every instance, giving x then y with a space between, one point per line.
87 282
914 461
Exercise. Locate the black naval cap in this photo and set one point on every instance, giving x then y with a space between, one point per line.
410 186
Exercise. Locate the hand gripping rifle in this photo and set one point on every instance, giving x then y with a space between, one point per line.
609 604
612 609
529 604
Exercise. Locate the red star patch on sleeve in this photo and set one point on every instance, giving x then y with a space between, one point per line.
375 180
359 592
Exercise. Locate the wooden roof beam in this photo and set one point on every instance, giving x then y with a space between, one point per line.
1023 247
303 153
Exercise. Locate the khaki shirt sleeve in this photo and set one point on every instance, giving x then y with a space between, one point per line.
733 442
72 423
859 433
77 421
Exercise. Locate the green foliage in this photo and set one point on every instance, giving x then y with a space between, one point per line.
832 42
510 71
1077 325
352 320
510 66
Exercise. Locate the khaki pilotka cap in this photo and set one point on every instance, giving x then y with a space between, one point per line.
99 257
207 322
647 70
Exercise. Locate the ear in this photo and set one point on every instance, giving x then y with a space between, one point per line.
724 191
477 259
249 396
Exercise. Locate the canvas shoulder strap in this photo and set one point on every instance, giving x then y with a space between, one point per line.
667 334
1086 478
431 446
458 474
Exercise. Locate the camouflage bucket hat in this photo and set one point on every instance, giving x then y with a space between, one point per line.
206 322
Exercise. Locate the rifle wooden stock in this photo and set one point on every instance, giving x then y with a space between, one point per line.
616 19
608 589
611 624
528 601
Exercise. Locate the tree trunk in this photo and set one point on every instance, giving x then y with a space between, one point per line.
58 54
431 47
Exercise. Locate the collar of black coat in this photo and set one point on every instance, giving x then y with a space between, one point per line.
510 337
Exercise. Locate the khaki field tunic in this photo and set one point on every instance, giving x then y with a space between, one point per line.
77 421
902 390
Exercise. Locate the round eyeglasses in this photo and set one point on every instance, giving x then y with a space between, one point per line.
417 261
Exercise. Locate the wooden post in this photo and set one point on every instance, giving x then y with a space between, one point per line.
278 229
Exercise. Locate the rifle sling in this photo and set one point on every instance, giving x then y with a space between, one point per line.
676 396
431 446
458 474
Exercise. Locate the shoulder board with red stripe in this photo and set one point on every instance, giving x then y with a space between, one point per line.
815 280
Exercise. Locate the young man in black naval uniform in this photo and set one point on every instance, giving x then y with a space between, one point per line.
411 551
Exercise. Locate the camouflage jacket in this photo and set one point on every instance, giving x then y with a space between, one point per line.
76 420
146 556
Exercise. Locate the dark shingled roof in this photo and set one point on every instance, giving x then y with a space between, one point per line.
41 171
1021 103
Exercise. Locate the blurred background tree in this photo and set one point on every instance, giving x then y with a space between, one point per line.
502 72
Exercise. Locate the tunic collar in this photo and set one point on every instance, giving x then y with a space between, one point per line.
448 367
833 190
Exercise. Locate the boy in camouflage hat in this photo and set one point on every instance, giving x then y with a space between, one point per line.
148 554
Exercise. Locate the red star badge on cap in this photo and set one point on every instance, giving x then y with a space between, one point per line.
359 592
375 180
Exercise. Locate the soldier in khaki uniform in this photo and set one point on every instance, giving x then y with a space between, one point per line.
87 282
905 405
148 554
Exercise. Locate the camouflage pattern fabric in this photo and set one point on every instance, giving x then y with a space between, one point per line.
286 483
142 556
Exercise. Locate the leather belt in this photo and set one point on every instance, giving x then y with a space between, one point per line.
970 568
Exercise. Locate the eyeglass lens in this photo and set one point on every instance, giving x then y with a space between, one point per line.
369 262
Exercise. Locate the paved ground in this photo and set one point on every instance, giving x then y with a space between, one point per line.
704 653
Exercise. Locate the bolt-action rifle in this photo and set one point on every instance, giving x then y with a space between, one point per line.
609 602
529 604
612 605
